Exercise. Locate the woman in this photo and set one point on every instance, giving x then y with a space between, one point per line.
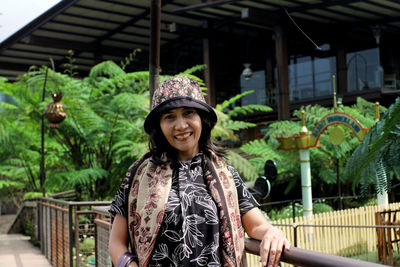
180 204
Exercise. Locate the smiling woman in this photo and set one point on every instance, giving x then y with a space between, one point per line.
182 128
181 204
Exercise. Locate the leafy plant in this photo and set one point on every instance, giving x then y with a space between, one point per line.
227 128
377 159
323 160
102 135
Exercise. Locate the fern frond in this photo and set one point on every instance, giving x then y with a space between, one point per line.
232 100
244 110
378 143
242 165
72 179
106 69
195 69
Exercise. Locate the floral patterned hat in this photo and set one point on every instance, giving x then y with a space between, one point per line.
177 92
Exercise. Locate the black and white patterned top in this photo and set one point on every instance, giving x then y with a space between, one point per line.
189 234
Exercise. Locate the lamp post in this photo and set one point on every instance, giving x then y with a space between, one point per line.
55 114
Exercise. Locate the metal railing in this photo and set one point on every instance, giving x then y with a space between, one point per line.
59 234
59 229
308 258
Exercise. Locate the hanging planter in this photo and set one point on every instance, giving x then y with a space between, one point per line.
55 111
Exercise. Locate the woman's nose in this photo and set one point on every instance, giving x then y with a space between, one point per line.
181 123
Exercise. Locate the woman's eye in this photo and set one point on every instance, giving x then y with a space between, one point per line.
168 117
189 112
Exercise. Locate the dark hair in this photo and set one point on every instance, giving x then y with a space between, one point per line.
158 144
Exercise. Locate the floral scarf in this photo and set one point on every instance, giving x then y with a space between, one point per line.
148 197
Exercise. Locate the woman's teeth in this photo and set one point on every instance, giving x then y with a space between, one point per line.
183 136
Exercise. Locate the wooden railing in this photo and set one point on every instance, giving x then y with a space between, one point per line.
308 258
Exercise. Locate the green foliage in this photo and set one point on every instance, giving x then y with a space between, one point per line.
241 164
287 211
97 142
129 59
228 126
101 137
377 159
69 66
323 160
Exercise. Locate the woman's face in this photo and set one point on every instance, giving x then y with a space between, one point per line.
182 129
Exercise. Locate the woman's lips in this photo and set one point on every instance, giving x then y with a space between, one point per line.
182 136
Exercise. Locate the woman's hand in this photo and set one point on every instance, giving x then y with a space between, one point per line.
272 239
272 244
133 264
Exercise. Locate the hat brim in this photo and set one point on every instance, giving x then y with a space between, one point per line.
177 102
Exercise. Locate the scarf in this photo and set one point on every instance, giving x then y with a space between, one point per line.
148 197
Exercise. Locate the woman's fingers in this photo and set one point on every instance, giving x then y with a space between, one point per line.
264 251
279 247
271 248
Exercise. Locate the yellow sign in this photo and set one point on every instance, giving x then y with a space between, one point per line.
337 136
305 141
297 142
338 118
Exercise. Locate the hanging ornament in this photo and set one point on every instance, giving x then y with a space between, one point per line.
55 111
247 72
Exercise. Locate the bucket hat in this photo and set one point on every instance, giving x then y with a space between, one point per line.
177 92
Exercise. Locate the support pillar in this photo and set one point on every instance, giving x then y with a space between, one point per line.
208 71
306 182
270 90
341 69
154 56
283 72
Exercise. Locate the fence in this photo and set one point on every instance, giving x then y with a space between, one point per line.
346 233
60 229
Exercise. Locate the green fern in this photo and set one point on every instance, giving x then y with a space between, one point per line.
374 161
232 100
242 165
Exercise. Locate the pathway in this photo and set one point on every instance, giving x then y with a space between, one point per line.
17 251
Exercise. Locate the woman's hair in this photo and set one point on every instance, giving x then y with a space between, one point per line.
158 144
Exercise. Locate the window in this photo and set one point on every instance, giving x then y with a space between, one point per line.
310 77
363 70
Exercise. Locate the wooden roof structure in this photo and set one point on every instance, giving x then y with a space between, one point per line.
110 29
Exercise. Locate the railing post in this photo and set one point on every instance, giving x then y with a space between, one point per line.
295 235
76 237
71 251
293 211
39 224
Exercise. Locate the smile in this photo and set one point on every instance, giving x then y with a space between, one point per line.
182 136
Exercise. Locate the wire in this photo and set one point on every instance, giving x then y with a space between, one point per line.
316 46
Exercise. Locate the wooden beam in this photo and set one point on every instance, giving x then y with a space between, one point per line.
209 77
203 5
268 19
75 45
154 55
283 73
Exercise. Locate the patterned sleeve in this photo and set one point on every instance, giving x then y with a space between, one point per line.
118 205
246 199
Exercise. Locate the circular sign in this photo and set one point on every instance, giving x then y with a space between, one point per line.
336 135
262 187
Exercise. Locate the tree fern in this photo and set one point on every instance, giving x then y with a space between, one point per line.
376 159
232 100
242 165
